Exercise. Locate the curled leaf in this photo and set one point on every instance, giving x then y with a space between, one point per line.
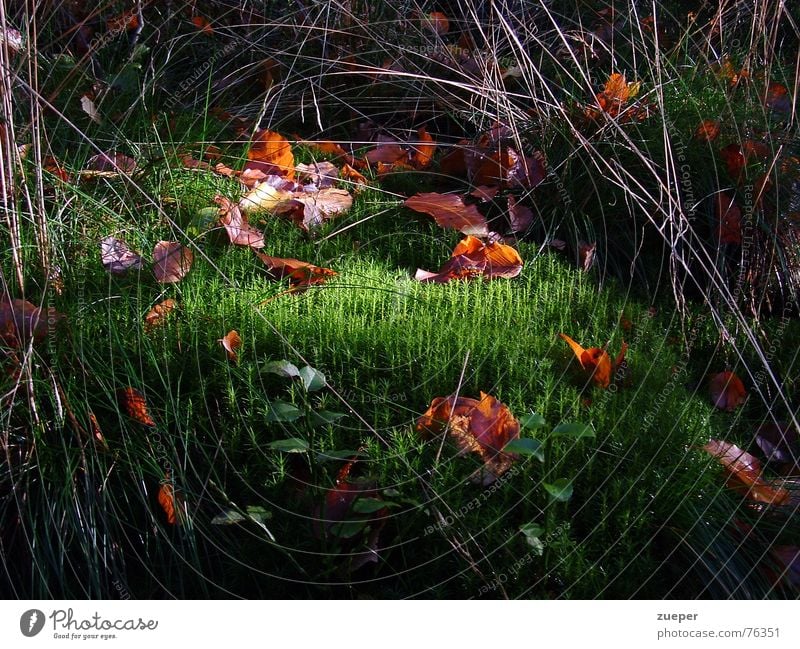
301 274
745 473
596 361
232 342
449 211
482 426
156 316
271 153
240 232
727 391
473 258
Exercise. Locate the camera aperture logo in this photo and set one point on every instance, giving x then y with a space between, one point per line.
31 622
66 626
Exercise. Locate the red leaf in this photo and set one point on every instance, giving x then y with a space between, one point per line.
21 321
301 274
134 404
473 258
171 261
727 391
449 211
422 155
729 219
240 232
481 426
707 131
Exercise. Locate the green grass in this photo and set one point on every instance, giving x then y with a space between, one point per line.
649 517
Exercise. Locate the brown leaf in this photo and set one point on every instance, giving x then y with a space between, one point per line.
727 391
422 155
449 211
586 255
171 261
301 274
310 210
134 404
117 258
232 341
21 322
387 152
240 232
473 258
156 316
271 152
437 22
481 426
170 503
745 473
707 130
320 174
520 217
350 174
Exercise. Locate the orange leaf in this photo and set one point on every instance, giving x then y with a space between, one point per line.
727 391
301 274
423 151
352 175
707 130
169 501
481 426
158 314
437 22
232 341
596 360
272 150
449 211
472 258
202 24
171 261
134 404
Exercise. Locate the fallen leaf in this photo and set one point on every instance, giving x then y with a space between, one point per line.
778 98
301 274
727 391
707 130
240 232
473 258
520 217
203 25
352 175
156 316
90 109
437 22
134 404
481 426
309 210
387 151
449 211
586 255
169 502
171 261
597 361
232 342
779 442
22 322
320 174
264 196
108 165
271 152
729 219
745 473
422 155
117 258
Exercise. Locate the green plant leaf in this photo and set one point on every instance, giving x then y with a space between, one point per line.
324 417
575 430
532 421
348 529
560 490
313 379
525 446
532 532
368 505
291 445
258 514
281 368
282 411
344 454
228 517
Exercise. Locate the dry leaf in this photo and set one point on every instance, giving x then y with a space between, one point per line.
232 341
707 130
271 153
596 361
473 258
310 209
520 217
745 473
320 174
301 274
422 155
171 261
449 211
170 502
240 232
21 322
481 426
156 316
117 258
90 109
134 404
727 391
